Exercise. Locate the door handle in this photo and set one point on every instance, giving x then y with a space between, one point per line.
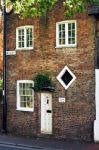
48 111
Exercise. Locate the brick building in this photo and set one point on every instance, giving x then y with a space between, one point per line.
56 44
1 59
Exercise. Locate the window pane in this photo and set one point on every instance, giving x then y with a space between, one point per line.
19 32
63 27
73 26
69 26
20 38
29 101
19 44
69 41
22 44
26 95
21 92
71 33
59 27
66 33
29 37
61 34
25 37
73 40
22 101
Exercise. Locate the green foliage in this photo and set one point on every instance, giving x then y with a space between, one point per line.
34 8
42 80
72 7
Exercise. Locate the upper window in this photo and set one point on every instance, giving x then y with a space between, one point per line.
25 95
24 37
66 34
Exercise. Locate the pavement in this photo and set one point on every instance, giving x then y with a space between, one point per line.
46 143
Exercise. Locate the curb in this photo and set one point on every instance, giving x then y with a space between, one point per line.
20 145
26 147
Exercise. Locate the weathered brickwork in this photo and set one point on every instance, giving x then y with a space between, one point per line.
1 60
74 118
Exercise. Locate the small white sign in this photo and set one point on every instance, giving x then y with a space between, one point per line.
10 52
61 100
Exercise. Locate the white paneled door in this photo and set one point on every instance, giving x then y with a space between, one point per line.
46 113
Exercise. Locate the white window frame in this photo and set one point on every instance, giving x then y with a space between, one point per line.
25 47
61 74
66 34
18 96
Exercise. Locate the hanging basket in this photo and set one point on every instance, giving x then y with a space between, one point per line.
48 88
42 82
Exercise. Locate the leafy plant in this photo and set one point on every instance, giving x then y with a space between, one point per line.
42 80
72 7
34 8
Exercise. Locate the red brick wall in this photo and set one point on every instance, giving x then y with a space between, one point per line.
73 119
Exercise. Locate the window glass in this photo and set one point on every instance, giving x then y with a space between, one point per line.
26 95
71 33
25 37
62 34
66 33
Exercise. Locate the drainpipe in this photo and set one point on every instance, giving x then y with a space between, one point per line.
4 122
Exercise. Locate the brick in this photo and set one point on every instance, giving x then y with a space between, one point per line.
72 120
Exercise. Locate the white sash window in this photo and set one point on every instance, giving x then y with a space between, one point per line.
66 35
24 37
25 95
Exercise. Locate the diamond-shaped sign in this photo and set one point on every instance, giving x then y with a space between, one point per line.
66 77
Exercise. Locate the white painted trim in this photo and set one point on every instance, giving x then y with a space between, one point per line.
66 32
69 46
96 130
61 74
66 21
18 97
96 122
97 93
25 47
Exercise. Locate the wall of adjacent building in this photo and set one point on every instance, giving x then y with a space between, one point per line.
74 118
1 45
0 116
1 59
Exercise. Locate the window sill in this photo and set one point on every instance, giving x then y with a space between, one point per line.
25 110
24 49
69 46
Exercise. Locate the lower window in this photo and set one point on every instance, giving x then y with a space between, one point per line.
25 95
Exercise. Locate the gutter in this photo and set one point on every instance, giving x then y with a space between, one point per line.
4 121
